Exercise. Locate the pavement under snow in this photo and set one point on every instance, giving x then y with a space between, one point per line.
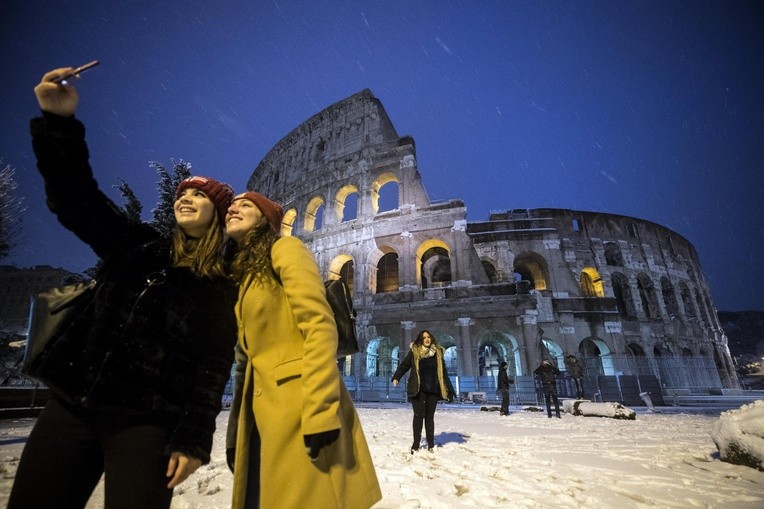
663 459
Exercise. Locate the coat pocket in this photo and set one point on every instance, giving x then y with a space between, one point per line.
287 371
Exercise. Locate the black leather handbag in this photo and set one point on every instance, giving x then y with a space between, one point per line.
52 311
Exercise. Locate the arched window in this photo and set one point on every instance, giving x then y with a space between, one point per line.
622 294
669 297
613 254
647 296
436 268
591 283
387 273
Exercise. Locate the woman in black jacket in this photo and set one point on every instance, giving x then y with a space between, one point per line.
428 384
142 369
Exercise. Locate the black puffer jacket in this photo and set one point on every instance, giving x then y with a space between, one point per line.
157 353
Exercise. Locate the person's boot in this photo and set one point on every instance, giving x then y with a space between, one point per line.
415 446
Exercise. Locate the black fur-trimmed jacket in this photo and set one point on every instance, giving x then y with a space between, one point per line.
158 352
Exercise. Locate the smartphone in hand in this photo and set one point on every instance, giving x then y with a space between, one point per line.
61 80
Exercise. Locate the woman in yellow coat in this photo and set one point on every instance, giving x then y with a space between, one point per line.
298 439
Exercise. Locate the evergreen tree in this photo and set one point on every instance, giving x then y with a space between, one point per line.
163 215
10 212
132 207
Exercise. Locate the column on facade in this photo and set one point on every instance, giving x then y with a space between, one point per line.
466 360
460 263
530 350
407 261
408 336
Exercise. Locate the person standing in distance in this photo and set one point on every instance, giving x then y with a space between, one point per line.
504 382
428 384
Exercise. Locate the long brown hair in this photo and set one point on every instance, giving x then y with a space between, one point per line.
254 254
203 256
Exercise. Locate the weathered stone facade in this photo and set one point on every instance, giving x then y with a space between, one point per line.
625 295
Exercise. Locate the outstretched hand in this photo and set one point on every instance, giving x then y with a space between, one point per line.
56 98
317 441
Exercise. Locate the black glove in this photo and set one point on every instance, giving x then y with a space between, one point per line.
317 441
230 455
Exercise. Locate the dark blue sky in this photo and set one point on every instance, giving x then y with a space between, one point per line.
647 109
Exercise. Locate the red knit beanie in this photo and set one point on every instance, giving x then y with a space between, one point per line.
272 211
219 193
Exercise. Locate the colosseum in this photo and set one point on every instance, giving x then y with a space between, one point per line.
626 296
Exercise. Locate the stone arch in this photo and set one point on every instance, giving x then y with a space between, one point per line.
534 268
448 342
596 356
287 223
313 220
669 297
647 296
622 293
665 363
381 181
689 306
373 262
379 357
637 359
342 266
388 273
493 348
554 353
701 307
345 192
591 283
613 255
434 263
490 269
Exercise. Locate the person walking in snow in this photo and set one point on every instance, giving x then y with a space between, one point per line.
293 430
504 382
138 376
428 384
547 373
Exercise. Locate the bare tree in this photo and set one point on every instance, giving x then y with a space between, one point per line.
10 212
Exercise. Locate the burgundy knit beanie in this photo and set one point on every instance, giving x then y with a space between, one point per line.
219 193
272 211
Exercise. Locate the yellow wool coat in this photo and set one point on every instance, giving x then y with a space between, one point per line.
292 387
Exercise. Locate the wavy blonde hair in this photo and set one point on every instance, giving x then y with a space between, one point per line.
204 256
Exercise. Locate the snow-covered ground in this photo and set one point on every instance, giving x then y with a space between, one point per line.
525 460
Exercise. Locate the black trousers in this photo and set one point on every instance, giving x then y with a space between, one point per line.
550 393
66 454
579 387
424 405
504 401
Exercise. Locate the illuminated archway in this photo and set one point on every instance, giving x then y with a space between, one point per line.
532 267
287 223
591 283
433 262
377 185
493 348
340 201
312 213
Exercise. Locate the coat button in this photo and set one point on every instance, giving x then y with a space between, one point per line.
258 392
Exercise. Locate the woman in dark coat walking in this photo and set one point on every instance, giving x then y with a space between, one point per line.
141 371
428 384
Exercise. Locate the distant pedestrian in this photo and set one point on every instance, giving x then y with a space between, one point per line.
504 381
428 383
575 369
547 373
